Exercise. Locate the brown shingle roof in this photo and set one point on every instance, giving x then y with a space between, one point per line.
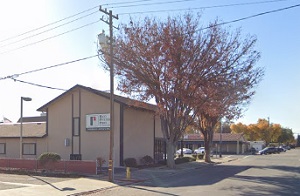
30 130
225 137
33 119
126 101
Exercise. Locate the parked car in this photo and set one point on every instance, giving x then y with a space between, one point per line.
253 150
287 147
293 146
269 150
185 151
200 150
281 149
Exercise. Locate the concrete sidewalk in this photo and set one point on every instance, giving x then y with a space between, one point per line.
82 186
67 187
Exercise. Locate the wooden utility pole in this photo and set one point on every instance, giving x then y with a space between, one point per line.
111 145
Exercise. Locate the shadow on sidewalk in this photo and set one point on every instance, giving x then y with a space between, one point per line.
46 182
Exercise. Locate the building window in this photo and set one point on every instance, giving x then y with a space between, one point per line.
29 149
76 126
2 148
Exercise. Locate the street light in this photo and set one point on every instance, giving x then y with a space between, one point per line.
221 132
21 126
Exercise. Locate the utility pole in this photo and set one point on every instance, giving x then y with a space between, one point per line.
111 145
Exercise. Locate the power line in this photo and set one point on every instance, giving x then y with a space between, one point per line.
203 7
128 2
49 67
38 28
252 16
156 3
66 18
33 43
227 5
1 46
244 18
39 85
180 1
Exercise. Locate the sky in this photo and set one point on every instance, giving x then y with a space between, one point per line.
36 34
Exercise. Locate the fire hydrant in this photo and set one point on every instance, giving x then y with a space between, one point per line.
128 173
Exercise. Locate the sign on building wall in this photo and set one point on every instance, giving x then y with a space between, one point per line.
97 122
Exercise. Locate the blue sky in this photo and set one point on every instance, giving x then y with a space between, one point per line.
278 33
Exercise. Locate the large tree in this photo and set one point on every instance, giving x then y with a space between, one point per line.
173 62
286 136
268 132
264 130
251 132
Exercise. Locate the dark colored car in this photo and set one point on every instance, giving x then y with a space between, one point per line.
269 150
252 150
293 146
281 149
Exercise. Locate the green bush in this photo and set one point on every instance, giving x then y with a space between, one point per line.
48 158
130 162
162 162
147 160
198 156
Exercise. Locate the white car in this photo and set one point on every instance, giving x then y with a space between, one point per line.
185 151
200 150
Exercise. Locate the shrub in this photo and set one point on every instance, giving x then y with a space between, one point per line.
184 160
130 162
162 162
147 160
48 157
198 156
100 162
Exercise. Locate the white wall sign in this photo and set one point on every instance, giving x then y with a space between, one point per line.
97 122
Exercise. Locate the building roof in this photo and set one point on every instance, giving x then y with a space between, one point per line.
119 99
227 137
33 119
29 130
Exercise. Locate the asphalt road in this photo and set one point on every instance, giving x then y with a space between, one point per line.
276 174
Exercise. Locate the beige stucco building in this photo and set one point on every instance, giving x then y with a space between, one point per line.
33 143
71 131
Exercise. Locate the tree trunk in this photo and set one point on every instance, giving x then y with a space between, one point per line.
170 144
170 154
207 151
208 136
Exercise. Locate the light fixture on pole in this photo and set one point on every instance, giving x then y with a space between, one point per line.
111 67
21 125
221 132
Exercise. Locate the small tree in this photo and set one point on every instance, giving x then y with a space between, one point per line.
231 82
